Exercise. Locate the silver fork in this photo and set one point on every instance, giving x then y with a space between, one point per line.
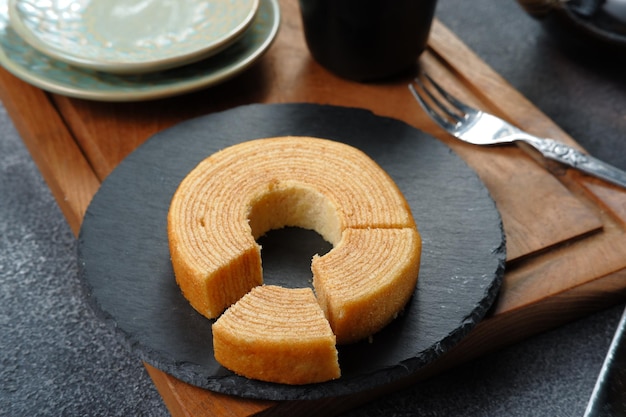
479 128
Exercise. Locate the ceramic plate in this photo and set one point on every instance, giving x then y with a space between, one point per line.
125 263
58 77
131 36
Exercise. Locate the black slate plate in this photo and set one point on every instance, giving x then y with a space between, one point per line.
125 265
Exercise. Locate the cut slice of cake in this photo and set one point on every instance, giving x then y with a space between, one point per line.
277 334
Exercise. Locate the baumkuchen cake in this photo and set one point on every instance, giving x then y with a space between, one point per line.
239 193
277 334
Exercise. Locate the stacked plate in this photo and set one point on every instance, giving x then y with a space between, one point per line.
122 50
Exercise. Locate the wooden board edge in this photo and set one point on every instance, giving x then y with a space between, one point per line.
53 149
183 400
488 85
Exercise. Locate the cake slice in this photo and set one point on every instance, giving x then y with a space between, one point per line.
277 334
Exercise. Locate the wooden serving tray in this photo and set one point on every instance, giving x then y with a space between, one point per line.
565 231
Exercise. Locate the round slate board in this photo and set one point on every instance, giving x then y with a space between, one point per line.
125 265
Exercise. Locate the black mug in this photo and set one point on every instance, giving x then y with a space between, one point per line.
367 40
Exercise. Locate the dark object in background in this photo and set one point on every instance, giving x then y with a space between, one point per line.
597 26
609 395
366 40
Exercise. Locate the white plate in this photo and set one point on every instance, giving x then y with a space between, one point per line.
54 76
131 36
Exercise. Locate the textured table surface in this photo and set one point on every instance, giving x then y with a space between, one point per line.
57 358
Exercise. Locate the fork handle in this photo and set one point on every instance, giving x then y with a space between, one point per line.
574 158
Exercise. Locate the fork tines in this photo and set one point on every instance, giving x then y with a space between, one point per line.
432 99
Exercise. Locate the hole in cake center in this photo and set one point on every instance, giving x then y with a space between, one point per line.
287 256
292 222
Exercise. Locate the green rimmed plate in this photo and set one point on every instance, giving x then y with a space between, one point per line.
131 36
38 69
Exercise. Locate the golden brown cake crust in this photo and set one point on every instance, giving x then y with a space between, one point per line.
236 195
277 334
366 280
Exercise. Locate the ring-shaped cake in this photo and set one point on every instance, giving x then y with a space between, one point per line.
238 194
